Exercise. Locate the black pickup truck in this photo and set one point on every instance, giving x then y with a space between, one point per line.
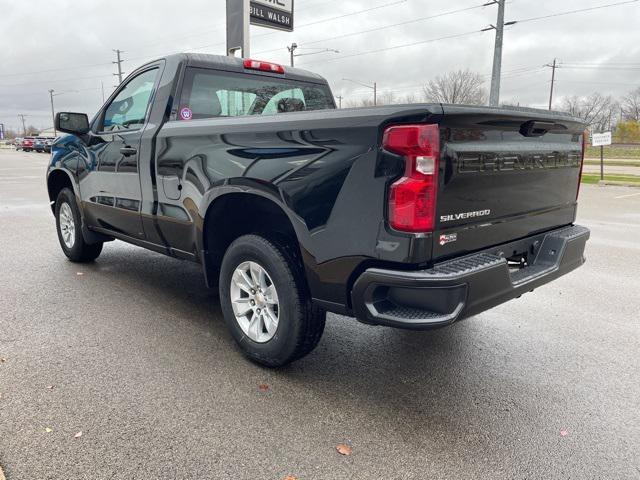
410 216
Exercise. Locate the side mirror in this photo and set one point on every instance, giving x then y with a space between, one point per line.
75 123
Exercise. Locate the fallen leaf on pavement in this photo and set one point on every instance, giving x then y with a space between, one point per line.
263 387
77 435
50 387
48 430
344 449
80 273
2 359
563 433
290 477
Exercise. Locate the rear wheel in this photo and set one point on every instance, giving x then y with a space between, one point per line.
68 224
265 303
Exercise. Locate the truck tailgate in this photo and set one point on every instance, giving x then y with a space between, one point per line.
505 174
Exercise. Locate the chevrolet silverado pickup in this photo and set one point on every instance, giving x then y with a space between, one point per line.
409 216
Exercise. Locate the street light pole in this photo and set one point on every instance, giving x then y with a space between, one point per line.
292 49
53 114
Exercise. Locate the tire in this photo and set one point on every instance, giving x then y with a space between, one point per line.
299 324
69 228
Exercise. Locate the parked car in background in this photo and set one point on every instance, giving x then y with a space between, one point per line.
18 143
27 143
47 144
39 144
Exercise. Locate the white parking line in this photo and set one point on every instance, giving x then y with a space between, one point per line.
627 196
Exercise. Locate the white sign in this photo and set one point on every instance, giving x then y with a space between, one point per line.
285 5
601 139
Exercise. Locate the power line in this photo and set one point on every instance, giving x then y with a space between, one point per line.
56 81
421 42
207 31
344 15
570 12
55 70
597 67
383 27
358 12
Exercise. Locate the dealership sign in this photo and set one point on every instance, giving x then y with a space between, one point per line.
276 14
1 131
600 139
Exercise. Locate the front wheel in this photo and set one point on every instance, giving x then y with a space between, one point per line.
265 303
68 224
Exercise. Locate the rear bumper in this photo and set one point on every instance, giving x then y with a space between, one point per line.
465 286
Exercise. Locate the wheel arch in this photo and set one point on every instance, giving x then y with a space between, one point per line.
58 179
234 214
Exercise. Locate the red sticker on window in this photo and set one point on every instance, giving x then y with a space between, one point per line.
186 113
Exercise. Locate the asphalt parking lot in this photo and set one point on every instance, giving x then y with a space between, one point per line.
132 352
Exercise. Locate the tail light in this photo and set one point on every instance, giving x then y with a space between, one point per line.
585 139
412 198
263 66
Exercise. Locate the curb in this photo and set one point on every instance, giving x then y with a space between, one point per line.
602 183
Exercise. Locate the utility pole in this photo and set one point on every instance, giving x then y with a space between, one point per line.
553 80
102 84
339 97
53 114
118 62
292 49
494 97
374 87
24 127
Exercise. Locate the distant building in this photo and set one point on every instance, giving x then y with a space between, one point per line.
49 132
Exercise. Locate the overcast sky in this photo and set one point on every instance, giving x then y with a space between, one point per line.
67 46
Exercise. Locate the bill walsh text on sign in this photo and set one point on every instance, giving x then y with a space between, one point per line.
267 16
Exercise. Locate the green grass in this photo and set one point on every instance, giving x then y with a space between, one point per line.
613 163
614 152
594 179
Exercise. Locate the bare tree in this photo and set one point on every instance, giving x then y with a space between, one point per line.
409 98
362 102
631 105
463 86
387 98
597 110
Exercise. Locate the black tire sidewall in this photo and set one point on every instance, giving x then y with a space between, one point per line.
68 197
282 347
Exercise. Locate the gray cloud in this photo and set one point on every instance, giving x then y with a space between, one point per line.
67 46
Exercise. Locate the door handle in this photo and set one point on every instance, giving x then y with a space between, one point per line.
128 151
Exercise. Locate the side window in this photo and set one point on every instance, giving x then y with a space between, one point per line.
129 109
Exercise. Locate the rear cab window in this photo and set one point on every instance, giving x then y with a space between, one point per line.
208 93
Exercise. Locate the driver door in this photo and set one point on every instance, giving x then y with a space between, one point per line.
111 189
